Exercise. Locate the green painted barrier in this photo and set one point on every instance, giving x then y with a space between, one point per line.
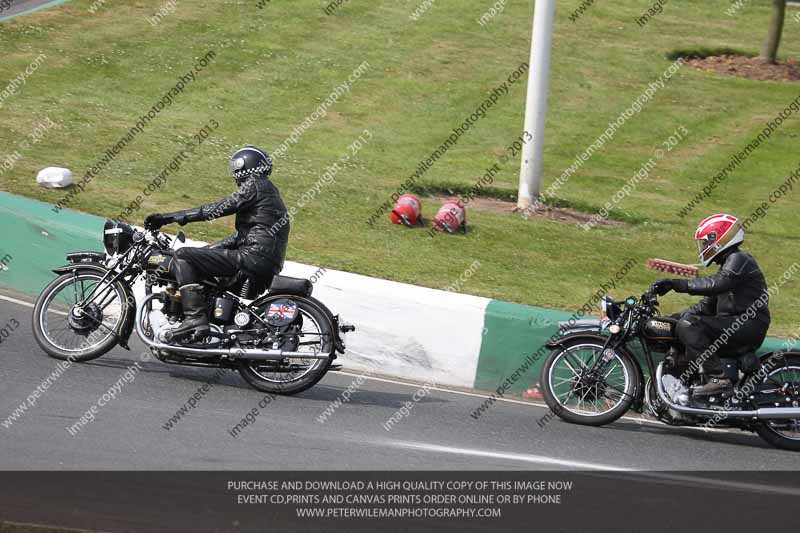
34 240
513 336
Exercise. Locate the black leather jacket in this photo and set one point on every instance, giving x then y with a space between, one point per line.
731 291
262 225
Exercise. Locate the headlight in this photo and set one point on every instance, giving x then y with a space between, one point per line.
117 237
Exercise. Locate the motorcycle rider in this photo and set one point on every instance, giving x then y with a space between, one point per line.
731 293
257 248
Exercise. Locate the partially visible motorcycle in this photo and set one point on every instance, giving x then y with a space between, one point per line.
592 377
283 341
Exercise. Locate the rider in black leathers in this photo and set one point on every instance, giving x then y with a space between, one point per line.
736 303
257 248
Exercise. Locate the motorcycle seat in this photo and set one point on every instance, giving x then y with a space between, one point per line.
292 286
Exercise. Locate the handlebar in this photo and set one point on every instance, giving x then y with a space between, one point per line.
648 298
156 237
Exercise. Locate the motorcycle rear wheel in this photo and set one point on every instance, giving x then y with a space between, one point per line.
783 434
296 374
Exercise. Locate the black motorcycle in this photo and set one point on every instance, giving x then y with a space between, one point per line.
592 377
282 342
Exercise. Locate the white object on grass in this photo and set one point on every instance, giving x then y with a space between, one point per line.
54 177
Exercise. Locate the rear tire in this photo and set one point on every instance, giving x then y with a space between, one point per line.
770 431
554 400
779 441
250 371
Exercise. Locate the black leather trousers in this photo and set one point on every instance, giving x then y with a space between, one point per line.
699 333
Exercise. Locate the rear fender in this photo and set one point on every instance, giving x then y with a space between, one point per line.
334 319
338 329
782 353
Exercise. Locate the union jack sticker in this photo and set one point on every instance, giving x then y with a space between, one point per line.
280 311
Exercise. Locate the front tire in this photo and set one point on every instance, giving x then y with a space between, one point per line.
77 339
278 377
574 396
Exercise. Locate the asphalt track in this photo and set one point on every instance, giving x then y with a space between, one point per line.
437 434
19 7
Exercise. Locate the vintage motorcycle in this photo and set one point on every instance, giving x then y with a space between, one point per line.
282 342
592 377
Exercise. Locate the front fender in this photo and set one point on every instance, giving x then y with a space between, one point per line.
579 334
70 267
125 327
587 325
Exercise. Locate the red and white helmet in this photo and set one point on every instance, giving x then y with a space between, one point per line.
716 234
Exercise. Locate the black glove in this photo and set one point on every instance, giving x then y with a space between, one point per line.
663 286
155 221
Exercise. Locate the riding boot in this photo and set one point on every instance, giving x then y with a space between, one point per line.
195 321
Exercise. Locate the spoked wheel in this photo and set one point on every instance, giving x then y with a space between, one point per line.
784 434
68 326
581 392
313 334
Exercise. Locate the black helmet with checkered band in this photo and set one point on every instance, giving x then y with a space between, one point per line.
249 162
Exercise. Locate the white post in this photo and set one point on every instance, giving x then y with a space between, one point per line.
530 172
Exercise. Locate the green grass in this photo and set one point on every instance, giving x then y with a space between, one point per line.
275 65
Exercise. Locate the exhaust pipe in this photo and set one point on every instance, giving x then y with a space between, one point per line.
249 354
778 413
766 413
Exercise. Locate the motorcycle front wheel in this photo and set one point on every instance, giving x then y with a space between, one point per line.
579 391
67 330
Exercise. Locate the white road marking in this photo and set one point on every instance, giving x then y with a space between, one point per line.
520 457
15 301
599 467
723 483
28 304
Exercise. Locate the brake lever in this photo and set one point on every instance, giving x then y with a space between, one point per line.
155 237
